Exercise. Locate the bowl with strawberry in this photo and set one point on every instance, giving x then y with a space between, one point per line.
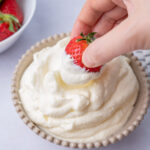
15 16
54 93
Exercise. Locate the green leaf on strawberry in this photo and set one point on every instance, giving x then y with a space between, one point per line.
89 38
11 20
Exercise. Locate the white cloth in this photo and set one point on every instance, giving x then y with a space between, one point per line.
144 57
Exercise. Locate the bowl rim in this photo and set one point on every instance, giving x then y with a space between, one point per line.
110 140
23 26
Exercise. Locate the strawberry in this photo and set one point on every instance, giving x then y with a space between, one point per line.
11 18
77 46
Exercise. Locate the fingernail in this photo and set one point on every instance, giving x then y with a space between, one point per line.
88 60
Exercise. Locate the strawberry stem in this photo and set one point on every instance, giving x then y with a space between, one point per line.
89 37
11 20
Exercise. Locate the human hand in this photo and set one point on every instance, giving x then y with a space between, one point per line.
121 25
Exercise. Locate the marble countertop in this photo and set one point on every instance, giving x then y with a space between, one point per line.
51 17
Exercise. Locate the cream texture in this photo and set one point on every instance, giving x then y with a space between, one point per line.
84 111
73 74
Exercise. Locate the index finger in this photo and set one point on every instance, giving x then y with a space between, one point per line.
90 13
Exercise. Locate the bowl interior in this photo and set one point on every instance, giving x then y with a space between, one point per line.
139 108
27 8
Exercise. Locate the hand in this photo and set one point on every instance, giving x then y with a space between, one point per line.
121 25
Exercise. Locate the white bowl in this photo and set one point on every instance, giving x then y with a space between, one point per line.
28 8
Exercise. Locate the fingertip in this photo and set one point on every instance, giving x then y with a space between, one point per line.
93 56
73 34
88 60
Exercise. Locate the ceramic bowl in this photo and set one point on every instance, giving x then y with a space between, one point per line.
137 115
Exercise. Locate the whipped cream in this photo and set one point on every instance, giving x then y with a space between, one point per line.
73 104
73 74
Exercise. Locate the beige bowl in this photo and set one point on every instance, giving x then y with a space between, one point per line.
134 120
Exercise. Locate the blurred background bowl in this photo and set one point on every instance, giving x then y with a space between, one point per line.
28 8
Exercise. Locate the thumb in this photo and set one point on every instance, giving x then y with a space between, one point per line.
119 40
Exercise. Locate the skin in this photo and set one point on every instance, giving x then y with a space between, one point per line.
122 26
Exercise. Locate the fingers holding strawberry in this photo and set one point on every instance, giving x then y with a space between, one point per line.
73 71
11 18
77 46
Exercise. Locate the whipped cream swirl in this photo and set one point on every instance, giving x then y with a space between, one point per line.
72 104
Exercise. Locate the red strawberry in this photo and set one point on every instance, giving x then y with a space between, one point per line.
77 46
11 18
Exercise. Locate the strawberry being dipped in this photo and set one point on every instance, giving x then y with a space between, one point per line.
77 46
11 18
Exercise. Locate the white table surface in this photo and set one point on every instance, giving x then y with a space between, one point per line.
52 16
